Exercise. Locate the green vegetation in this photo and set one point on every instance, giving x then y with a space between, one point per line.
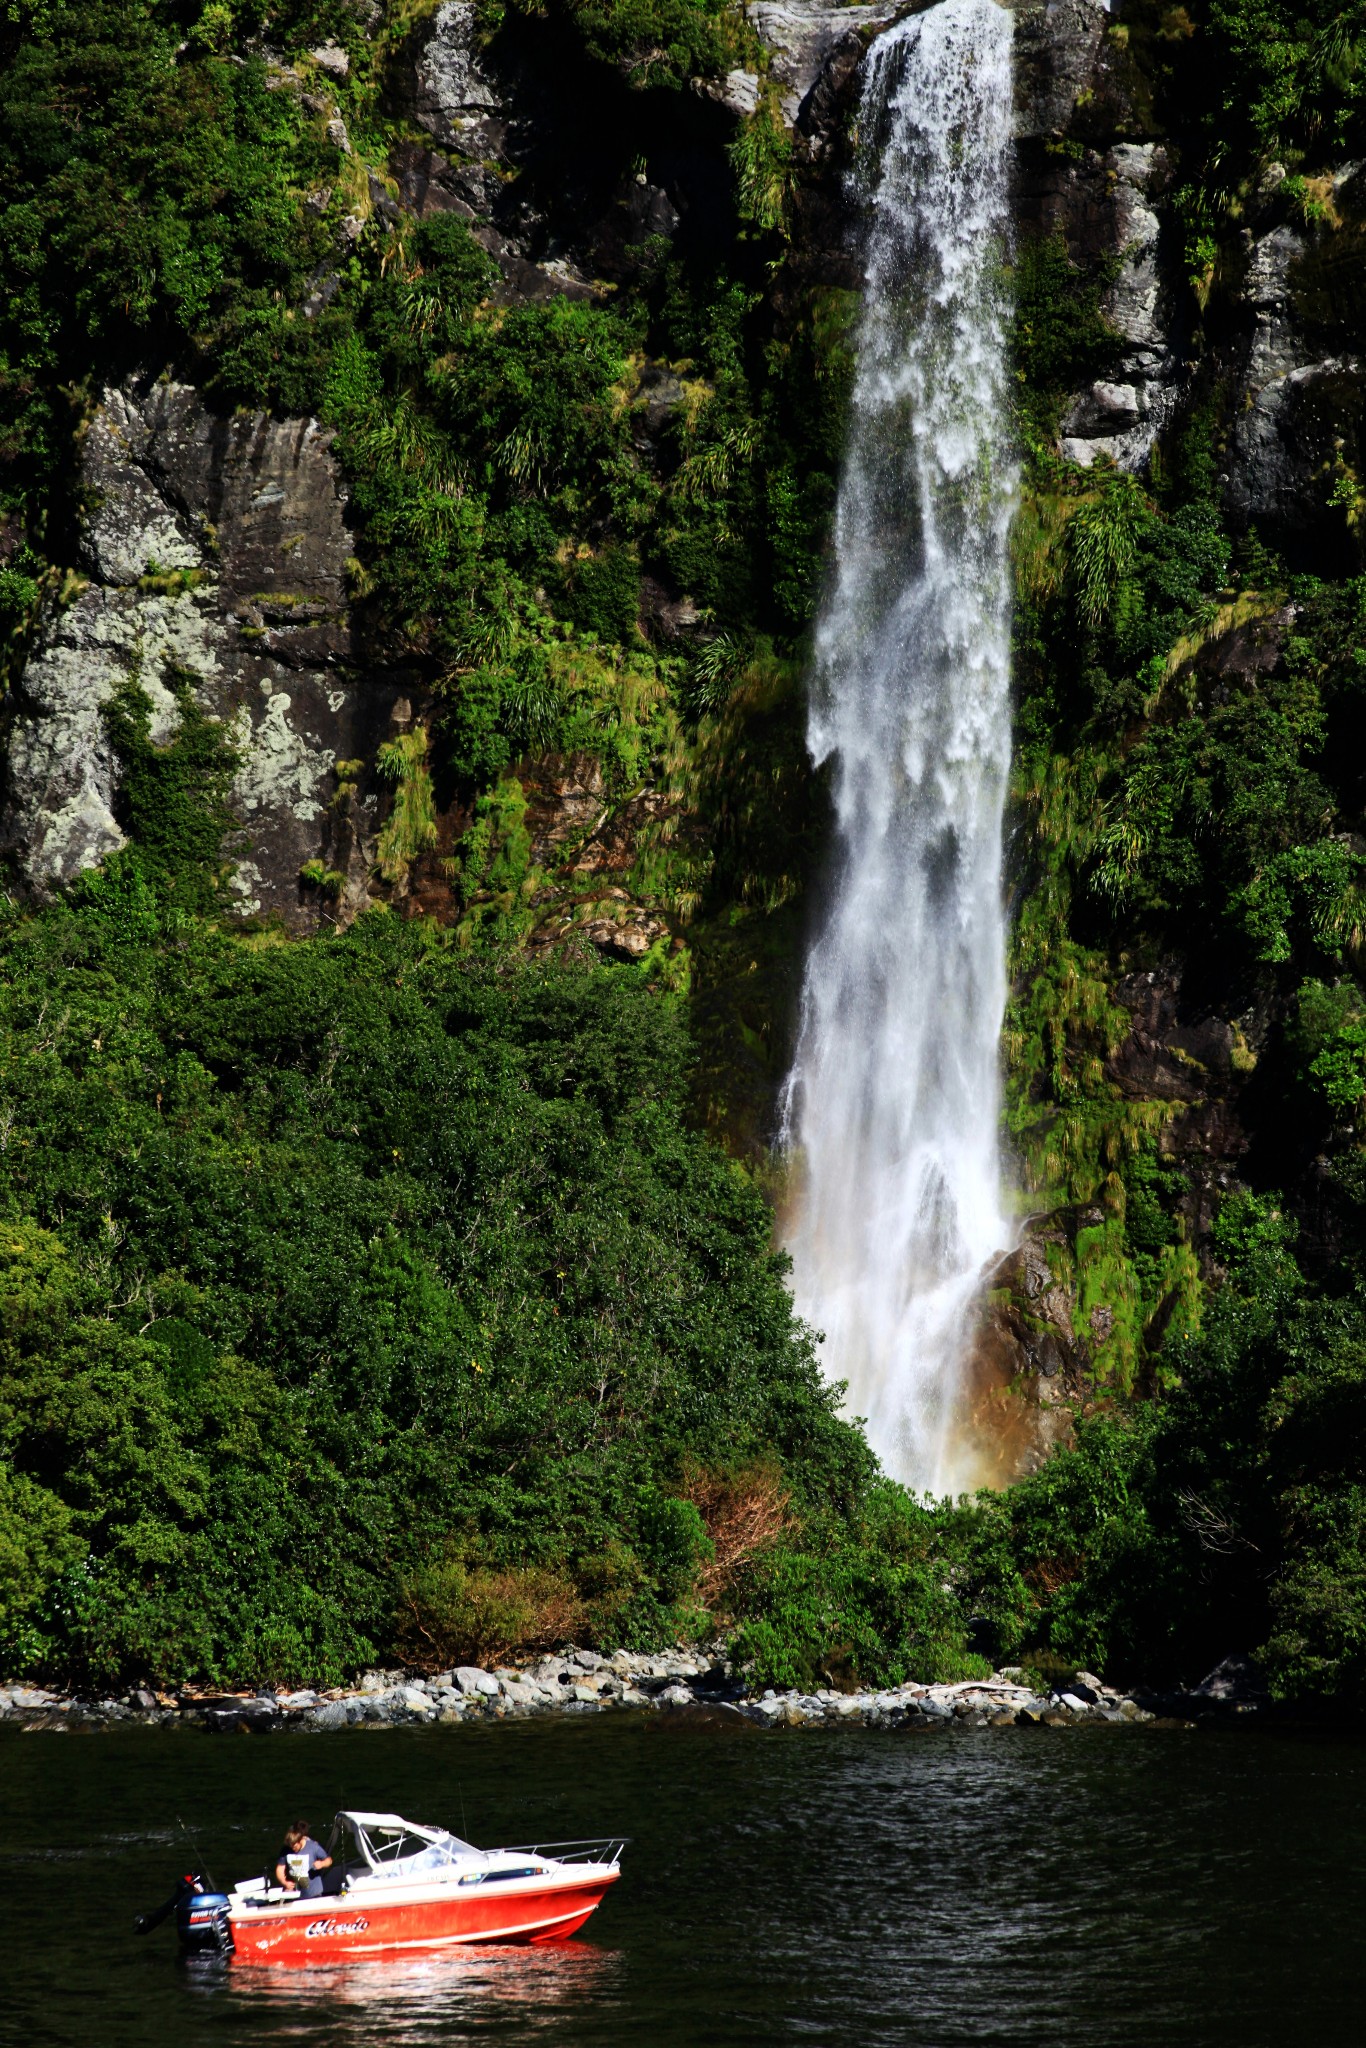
152 192
1231 1515
652 42
353 1287
381 1295
1187 796
358 1297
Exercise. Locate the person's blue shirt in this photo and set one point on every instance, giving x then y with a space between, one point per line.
298 1864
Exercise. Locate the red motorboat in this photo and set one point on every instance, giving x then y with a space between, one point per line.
396 1884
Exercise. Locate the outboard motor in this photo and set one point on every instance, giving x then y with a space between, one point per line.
201 1921
201 1918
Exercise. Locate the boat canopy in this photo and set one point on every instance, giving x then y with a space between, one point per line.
385 1839
389 1824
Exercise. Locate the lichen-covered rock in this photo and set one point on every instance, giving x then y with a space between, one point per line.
803 38
216 553
738 91
130 530
455 98
61 771
486 127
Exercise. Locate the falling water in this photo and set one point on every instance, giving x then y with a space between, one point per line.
893 1101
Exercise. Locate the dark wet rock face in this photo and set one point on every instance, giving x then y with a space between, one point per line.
215 551
519 149
1179 1052
477 125
1300 422
1058 57
1169 1054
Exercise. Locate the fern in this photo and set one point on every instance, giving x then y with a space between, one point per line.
761 158
410 828
1103 542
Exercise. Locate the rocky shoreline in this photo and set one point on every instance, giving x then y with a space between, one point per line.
582 1682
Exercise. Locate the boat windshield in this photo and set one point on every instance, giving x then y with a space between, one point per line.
437 1855
403 1848
388 1843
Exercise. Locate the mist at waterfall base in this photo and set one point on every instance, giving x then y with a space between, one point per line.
893 1101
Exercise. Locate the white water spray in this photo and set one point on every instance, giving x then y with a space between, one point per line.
893 1101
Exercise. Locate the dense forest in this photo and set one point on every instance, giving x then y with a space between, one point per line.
407 1289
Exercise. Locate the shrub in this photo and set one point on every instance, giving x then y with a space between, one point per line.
452 1613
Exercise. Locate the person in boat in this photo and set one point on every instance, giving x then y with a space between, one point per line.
300 1862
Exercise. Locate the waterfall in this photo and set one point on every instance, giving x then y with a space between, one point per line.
892 1106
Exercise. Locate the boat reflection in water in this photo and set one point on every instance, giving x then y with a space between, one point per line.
410 2001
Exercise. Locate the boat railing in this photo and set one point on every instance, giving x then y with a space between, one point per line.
602 1849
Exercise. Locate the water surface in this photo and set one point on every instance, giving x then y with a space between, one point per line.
1117 1886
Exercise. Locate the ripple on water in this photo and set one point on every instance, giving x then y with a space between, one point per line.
1123 1886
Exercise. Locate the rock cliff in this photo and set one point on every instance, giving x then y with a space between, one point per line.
219 544
217 547
213 553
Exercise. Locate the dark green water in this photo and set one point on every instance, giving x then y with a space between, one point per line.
1111 1886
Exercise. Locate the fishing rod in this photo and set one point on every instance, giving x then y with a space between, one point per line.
144 1923
193 1841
